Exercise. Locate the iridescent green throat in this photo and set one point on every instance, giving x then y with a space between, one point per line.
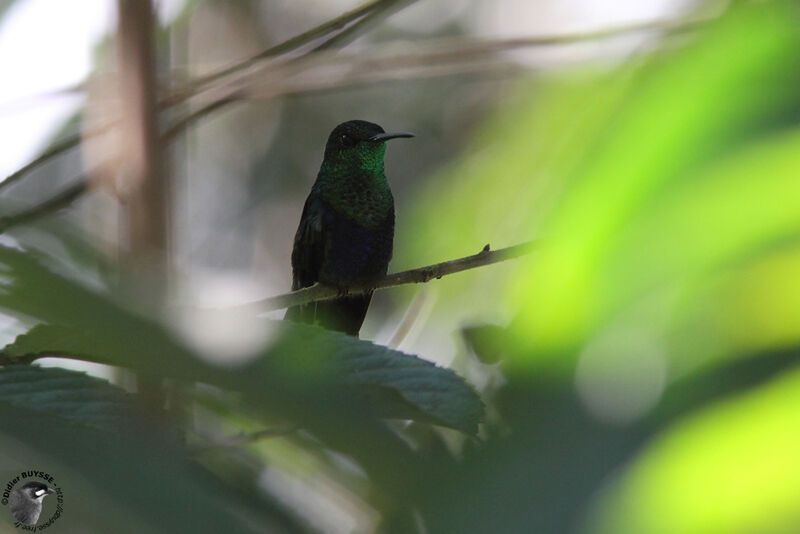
358 190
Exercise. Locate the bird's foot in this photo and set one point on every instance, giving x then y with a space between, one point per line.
341 290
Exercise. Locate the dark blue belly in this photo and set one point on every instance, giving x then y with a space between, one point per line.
354 253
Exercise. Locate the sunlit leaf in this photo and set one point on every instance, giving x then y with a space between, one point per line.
730 469
733 82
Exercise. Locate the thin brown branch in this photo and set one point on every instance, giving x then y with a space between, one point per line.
362 68
190 88
327 69
319 292
350 33
438 59
463 49
184 122
420 275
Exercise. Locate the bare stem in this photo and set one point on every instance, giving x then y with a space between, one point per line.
190 88
319 292
348 34
420 275
442 58
433 59
237 441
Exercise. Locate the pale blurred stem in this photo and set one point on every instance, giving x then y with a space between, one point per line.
144 261
237 441
420 275
410 317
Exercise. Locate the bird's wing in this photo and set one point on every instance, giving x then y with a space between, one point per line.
307 256
309 244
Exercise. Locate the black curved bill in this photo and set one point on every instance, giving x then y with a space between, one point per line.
390 135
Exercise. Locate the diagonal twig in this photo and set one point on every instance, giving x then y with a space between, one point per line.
440 60
419 275
190 88
345 36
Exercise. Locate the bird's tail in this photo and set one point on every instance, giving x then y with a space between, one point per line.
343 314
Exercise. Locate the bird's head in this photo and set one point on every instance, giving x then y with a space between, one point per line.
36 491
359 144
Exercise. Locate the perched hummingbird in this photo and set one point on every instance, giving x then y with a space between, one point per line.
347 227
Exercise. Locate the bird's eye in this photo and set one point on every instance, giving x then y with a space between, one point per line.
348 141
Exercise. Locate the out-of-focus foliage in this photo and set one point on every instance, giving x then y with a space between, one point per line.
301 361
125 482
331 384
730 468
73 396
664 195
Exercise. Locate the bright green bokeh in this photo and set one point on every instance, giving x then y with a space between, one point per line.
679 134
732 469
666 196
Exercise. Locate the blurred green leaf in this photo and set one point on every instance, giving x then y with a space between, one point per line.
394 384
635 179
665 197
561 458
742 311
682 129
71 395
128 482
732 468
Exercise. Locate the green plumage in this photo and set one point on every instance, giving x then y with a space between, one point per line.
346 231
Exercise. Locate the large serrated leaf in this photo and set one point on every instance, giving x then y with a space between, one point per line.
395 384
403 385
71 395
125 483
305 366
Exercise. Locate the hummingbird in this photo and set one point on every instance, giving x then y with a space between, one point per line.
346 231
